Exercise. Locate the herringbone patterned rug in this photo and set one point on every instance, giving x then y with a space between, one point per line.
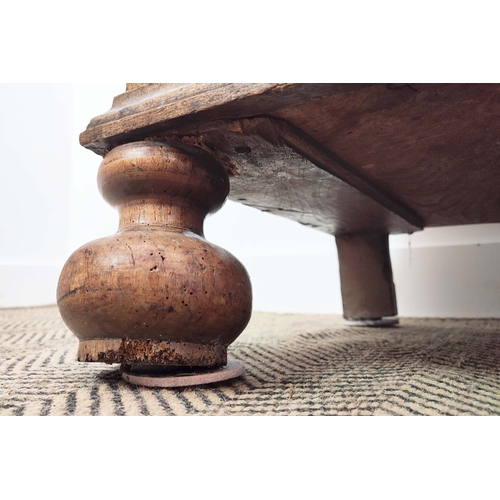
296 365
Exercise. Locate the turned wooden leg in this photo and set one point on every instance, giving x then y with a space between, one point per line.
368 293
156 292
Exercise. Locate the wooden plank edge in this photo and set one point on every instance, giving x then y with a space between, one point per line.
166 108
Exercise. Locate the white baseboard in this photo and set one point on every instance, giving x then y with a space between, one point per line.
28 285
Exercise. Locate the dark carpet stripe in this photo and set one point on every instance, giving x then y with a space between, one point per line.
140 400
202 396
187 405
95 401
117 399
19 411
71 403
163 403
47 405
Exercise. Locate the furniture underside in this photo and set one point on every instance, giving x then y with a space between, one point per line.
430 150
358 161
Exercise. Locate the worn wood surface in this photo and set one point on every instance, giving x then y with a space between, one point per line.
157 292
433 147
278 169
132 86
146 110
366 276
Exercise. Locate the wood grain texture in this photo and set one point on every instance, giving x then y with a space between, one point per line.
278 169
434 147
133 86
157 292
366 276
146 110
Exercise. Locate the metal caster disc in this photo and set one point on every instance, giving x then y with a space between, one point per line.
376 322
156 376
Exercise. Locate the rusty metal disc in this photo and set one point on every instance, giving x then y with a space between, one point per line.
180 377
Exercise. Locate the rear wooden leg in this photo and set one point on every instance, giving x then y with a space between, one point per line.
368 292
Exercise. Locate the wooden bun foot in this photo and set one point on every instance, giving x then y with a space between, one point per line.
164 377
157 292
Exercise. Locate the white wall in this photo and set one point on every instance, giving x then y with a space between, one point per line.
51 206
35 148
448 271
293 268
91 216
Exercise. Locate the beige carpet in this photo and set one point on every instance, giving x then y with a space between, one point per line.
296 365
